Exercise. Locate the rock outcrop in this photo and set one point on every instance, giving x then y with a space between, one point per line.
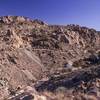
32 52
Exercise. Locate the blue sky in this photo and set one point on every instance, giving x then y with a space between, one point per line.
82 12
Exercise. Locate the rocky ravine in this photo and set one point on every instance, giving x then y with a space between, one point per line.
45 58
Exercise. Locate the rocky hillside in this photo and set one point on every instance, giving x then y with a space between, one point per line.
33 53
